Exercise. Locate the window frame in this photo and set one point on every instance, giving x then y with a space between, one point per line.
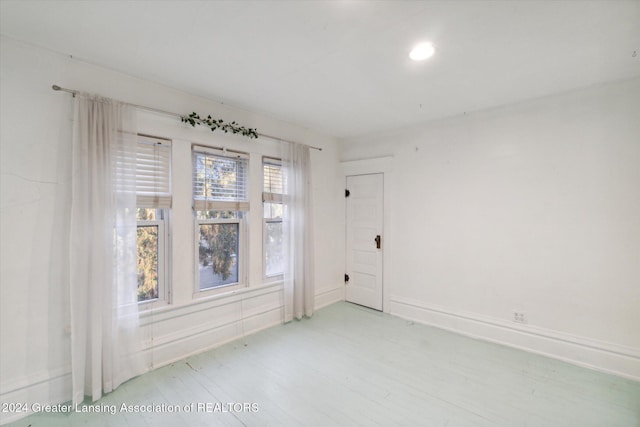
268 277
163 260
160 201
242 282
241 207
278 162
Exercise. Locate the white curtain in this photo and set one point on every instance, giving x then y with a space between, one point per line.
105 340
298 233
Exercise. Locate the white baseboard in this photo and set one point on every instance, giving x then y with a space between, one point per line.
52 387
184 343
238 315
229 318
582 351
171 351
328 296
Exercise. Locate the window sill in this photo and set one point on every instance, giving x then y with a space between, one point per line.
144 307
273 279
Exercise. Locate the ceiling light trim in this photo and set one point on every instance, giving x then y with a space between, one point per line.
422 51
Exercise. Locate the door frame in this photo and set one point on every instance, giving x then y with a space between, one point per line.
384 166
357 292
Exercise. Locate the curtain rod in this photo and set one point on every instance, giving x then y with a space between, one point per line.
169 113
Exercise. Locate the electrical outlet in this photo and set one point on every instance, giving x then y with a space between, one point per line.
519 316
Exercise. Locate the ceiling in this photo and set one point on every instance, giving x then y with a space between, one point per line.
342 67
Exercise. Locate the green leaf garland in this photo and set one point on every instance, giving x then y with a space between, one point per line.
194 119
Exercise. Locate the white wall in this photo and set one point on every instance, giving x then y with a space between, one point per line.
34 211
534 207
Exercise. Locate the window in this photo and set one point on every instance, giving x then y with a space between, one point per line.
220 203
151 242
153 199
273 210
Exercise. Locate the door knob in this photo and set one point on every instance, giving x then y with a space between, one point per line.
377 240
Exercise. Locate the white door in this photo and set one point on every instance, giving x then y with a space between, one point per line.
365 241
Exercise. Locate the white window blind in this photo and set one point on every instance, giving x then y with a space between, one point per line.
153 172
220 180
274 183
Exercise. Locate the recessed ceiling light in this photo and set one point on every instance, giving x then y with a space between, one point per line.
422 51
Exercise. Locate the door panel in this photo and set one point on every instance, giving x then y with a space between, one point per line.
364 223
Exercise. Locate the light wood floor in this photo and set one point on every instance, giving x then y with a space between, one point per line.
350 366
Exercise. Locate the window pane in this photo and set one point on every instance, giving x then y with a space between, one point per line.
273 210
273 179
219 177
218 254
147 262
153 167
202 215
274 262
146 214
